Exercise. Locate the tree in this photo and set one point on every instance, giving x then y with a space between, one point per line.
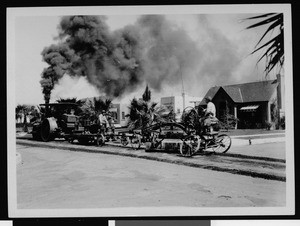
70 100
274 48
143 113
147 94
24 111
228 120
92 108
74 100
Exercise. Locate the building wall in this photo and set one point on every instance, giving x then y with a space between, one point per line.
120 111
175 103
252 119
169 102
281 94
223 101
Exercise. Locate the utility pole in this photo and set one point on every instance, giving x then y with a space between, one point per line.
183 93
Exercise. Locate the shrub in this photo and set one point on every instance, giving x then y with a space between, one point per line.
268 125
282 122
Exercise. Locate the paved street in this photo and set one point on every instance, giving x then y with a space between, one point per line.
55 178
259 164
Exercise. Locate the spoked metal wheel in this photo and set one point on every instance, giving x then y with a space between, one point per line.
135 141
100 140
124 140
190 146
222 143
83 140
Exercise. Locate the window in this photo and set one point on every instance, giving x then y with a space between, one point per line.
123 115
114 115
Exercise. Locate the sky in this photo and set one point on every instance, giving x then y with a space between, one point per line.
223 56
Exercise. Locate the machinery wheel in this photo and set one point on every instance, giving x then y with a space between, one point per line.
190 146
223 143
124 140
47 129
100 140
83 140
148 146
135 141
36 133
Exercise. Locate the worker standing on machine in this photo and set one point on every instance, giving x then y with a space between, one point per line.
103 122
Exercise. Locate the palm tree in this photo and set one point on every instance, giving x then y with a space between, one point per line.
92 108
69 100
19 112
74 100
140 113
143 112
274 48
24 111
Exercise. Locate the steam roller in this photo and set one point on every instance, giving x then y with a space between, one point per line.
48 128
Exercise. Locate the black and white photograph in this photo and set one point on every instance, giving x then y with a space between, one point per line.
133 111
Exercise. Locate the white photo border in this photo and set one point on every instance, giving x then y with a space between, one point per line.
13 13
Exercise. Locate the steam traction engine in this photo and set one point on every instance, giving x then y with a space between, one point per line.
59 121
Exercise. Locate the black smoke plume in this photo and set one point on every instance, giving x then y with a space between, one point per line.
60 58
152 50
169 51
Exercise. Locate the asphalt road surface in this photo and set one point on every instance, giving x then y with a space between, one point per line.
56 178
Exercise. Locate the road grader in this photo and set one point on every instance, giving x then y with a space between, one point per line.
190 136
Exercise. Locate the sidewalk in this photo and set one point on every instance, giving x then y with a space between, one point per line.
243 140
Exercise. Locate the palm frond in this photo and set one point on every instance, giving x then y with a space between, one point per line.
272 26
143 113
274 48
261 16
277 17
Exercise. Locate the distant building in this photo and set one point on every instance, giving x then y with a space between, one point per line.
253 103
119 112
178 103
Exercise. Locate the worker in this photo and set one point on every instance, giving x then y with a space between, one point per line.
211 108
111 122
210 115
72 111
103 121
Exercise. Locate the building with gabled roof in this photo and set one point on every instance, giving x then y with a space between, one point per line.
253 103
